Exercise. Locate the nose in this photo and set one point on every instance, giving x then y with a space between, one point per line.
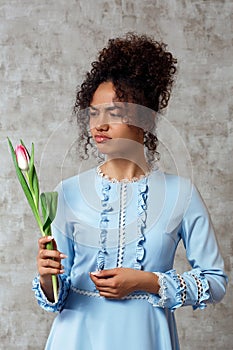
102 127
100 122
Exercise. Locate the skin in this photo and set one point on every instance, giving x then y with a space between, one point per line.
122 143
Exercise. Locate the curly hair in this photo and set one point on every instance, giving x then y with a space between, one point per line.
142 72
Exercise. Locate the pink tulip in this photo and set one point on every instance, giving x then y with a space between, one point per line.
22 157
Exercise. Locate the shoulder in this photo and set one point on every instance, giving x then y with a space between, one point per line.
75 183
172 182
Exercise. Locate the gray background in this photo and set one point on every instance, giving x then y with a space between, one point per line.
46 47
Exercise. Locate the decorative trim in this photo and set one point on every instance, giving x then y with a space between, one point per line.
113 180
183 289
162 289
141 222
199 288
121 242
88 293
103 225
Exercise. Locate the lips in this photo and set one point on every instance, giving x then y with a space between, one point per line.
101 138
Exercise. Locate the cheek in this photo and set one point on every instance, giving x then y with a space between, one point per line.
93 123
135 133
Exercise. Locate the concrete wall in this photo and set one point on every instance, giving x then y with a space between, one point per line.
46 46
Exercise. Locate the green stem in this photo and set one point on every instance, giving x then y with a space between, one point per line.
49 246
55 289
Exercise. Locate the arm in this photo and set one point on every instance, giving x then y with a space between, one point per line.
205 282
119 282
48 264
49 261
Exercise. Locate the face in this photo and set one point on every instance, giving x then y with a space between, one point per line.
109 125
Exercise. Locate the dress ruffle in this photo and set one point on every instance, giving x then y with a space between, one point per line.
171 290
142 206
63 289
205 295
103 224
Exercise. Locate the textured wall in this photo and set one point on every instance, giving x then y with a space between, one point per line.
46 46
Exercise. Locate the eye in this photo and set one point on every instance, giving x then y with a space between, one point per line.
92 113
115 115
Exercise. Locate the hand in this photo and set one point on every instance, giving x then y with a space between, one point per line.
119 282
48 263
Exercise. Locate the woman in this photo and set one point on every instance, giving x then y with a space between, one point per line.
118 226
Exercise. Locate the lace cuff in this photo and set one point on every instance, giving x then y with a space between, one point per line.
201 288
176 290
158 300
63 289
183 289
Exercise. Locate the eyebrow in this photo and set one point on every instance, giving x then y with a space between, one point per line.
110 108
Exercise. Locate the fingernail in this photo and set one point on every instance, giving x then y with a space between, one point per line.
95 273
63 256
49 238
62 271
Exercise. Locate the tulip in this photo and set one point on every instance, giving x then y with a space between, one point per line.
22 157
24 162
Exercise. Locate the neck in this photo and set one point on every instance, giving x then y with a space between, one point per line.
120 169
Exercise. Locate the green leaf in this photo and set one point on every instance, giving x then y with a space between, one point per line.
23 182
31 166
35 186
49 208
32 175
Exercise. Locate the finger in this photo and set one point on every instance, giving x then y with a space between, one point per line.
44 271
105 284
52 264
48 267
98 280
105 273
109 295
45 240
51 253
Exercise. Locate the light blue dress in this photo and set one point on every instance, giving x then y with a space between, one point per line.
102 224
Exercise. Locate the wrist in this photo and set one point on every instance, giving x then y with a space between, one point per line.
148 282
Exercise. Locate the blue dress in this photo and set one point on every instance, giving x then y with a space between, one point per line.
103 224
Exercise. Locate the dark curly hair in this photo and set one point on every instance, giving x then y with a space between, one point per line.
142 72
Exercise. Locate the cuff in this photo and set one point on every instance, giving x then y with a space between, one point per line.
63 288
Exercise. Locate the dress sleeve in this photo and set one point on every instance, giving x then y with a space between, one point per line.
206 281
62 230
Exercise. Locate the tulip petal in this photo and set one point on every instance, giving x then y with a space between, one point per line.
22 157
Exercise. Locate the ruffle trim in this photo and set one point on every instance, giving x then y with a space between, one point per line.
141 224
113 180
103 225
142 206
164 300
159 301
63 289
198 274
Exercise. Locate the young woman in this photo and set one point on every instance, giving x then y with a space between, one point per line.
118 226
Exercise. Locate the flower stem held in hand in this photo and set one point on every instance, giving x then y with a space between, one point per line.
26 173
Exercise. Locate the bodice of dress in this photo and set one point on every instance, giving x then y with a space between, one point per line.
102 224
